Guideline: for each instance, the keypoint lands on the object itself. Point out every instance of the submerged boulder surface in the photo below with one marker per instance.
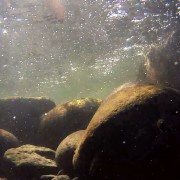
(21, 116)
(65, 151)
(135, 134)
(62, 177)
(28, 162)
(65, 119)
(7, 141)
(161, 65)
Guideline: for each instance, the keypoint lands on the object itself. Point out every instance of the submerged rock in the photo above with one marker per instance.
(54, 177)
(7, 141)
(162, 64)
(65, 119)
(62, 177)
(66, 150)
(21, 116)
(47, 177)
(135, 134)
(28, 162)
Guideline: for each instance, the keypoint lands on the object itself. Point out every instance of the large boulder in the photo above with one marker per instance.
(28, 162)
(65, 119)
(65, 151)
(135, 134)
(21, 116)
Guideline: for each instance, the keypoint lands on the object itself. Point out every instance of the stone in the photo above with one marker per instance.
(29, 161)
(135, 134)
(48, 177)
(65, 119)
(76, 178)
(162, 65)
(65, 151)
(21, 116)
(62, 177)
(7, 141)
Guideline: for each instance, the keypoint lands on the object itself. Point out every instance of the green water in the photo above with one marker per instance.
(97, 48)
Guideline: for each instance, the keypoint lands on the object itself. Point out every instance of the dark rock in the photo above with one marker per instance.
(135, 134)
(62, 177)
(162, 65)
(28, 162)
(48, 177)
(7, 141)
(21, 116)
(66, 150)
(65, 119)
(59, 176)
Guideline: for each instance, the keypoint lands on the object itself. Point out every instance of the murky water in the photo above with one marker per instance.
(80, 51)
(69, 49)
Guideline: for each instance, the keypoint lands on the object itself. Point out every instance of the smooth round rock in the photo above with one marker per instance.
(66, 150)
(65, 119)
(7, 141)
(135, 134)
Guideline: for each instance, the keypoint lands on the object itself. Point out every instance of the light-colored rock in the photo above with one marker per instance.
(135, 134)
(65, 119)
(30, 161)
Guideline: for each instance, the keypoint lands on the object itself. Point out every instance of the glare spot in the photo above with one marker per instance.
(124, 142)
(176, 63)
(5, 65)
(4, 31)
(127, 48)
(18, 19)
(129, 39)
(21, 78)
(73, 69)
(14, 117)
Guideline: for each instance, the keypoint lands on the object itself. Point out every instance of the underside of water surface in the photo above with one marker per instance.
(66, 49)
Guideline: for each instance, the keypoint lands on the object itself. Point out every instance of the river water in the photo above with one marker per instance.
(70, 49)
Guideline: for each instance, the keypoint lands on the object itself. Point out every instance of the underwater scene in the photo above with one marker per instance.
(89, 89)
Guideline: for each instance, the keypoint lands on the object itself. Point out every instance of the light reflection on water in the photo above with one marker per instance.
(90, 53)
